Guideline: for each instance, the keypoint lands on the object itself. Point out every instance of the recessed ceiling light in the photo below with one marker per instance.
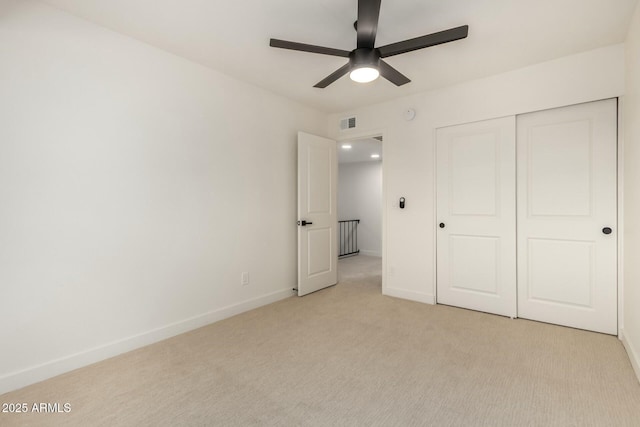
(375, 156)
(346, 147)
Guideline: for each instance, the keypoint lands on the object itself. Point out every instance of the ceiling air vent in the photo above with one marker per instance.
(348, 123)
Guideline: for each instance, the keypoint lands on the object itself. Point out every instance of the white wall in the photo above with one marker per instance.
(360, 197)
(135, 187)
(631, 331)
(409, 263)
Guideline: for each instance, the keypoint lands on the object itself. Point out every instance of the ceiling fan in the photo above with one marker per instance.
(365, 61)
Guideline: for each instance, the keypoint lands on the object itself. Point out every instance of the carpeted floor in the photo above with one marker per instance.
(349, 356)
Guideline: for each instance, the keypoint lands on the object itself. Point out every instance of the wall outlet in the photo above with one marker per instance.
(244, 278)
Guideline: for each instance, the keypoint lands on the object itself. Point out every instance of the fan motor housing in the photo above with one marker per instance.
(364, 57)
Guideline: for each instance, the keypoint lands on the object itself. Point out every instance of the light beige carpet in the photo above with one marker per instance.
(349, 356)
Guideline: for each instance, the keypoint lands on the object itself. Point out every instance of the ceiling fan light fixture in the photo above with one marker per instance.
(365, 61)
(364, 74)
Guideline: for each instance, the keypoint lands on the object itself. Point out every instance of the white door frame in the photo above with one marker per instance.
(620, 207)
(370, 134)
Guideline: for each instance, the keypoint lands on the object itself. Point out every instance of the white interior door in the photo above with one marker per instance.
(317, 213)
(476, 212)
(566, 197)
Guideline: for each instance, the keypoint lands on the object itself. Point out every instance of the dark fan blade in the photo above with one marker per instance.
(368, 14)
(393, 75)
(283, 44)
(333, 76)
(424, 41)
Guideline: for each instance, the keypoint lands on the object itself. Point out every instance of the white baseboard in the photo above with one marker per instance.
(410, 295)
(370, 253)
(34, 374)
(632, 351)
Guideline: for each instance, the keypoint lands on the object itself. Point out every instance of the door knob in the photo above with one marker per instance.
(441, 225)
(606, 230)
(303, 223)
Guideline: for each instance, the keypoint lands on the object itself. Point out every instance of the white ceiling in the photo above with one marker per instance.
(360, 151)
(233, 37)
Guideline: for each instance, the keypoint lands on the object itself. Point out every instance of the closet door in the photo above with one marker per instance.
(476, 213)
(567, 216)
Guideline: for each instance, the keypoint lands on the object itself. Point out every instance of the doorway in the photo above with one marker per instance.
(360, 210)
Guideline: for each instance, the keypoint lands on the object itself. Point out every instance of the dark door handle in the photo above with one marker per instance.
(303, 223)
(441, 225)
(606, 230)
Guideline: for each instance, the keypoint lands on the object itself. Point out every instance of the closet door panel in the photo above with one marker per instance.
(566, 173)
(476, 264)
